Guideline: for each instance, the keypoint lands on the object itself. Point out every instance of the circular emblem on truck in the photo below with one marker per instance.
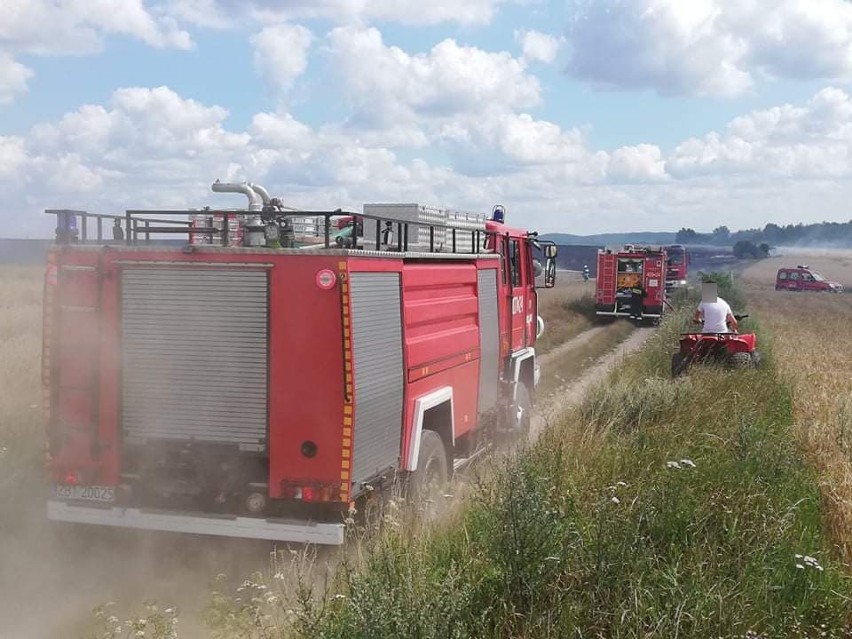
(326, 279)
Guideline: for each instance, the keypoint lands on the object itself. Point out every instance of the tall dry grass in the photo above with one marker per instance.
(813, 347)
(21, 416)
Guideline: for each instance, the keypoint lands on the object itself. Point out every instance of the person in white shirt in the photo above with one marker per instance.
(714, 313)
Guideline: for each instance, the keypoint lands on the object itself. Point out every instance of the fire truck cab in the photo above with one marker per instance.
(256, 391)
(631, 282)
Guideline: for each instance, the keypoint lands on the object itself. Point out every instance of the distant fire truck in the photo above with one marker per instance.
(258, 390)
(677, 267)
(631, 283)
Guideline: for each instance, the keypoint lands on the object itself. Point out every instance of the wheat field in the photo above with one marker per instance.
(812, 335)
(20, 384)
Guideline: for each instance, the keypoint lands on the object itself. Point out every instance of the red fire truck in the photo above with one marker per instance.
(677, 267)
(631, 282)
(258, 392)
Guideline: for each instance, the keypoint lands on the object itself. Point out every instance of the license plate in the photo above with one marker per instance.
(85, 493)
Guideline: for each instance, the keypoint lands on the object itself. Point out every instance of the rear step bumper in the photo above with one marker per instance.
(199, 524)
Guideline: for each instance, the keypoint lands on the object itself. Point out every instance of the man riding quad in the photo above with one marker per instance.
(714, 313)
(719, 341)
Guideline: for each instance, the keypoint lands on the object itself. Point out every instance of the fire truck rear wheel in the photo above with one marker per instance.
(431, 474)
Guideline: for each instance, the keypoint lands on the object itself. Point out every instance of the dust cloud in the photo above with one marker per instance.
(53, 574)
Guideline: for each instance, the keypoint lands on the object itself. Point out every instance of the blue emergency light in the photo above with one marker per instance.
(498, 214)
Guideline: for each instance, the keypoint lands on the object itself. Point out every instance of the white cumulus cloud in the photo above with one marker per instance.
(707, 47)
(13, 78)
(12, 156)
(281, 53)
(77, 26)
(537, 46)
(813, 141)
(641, 163)
(384, 82)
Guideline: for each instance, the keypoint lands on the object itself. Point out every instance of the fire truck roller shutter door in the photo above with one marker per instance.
(489, 340)
(194, 355)
(378, 371)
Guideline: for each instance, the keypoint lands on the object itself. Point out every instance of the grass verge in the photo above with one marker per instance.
(655, 509)
(567, 311)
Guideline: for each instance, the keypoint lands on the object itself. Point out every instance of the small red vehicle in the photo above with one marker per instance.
(804, 278)
(731, 350)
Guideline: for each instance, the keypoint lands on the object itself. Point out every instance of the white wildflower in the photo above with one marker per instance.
(688, 462)
(621, 484)
(615, 500)
(813, 563)
(339, 596)
(673, 464)
(808, 562)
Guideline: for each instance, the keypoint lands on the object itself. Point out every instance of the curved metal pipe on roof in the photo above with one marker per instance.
(255, 201)
(261, 191)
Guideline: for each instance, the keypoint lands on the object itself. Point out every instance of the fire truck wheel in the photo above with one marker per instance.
(431, 474)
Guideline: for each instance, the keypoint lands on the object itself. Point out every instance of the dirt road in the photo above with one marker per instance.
(573, 391)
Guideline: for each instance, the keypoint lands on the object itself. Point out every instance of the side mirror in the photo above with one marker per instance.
(549, 250)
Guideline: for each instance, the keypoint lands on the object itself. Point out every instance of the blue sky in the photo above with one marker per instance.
(580, 116)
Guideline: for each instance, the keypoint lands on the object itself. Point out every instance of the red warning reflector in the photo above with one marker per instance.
(326, 279)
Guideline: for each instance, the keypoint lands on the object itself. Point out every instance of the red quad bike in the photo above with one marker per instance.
(731, 350)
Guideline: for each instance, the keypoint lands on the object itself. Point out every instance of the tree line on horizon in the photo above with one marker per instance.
(838, 234)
